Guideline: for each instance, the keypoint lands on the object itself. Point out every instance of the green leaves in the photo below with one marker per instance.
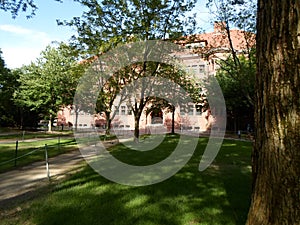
(8, 84)
(236, 13)
(50, 82)
(107, 23)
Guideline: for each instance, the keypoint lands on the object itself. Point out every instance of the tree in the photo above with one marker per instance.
(111, 87)
(234, 52)
(50, 82)
(238, 90)
(8, 83)
(108, 23)
(276, 155)
(12, 114)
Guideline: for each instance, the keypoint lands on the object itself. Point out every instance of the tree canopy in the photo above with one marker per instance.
(49, 83)
(109, 22)
(8, 83)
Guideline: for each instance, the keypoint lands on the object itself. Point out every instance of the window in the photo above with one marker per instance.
(182, 111)
(201, 68)
(129, 111)
(198, 109)
(191, 110)
(117, 110)
(123, 110)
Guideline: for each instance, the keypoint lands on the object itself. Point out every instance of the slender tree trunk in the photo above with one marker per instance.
(108, 126)
(76, 119)
(173, 120)
(276, 154)
(108, 123)
(136, 128)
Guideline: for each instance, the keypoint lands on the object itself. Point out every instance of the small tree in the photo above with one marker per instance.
(238, 90)
(50, 82)
(8, 84)
(234, 52)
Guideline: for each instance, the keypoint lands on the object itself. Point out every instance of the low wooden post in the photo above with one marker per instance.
(47, 162)
(16, 152)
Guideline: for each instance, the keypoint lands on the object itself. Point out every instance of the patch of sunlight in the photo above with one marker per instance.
(217, 192)
(246, 169)
(137, 201)
(190, 219)
(213, 211)
(214, 167)
(232, 154)
(185, 175)
(228, 145)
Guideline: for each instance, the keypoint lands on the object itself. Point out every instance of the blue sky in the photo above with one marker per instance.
(22, 40)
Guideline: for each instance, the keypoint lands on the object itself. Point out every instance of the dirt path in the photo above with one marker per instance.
(24, 180)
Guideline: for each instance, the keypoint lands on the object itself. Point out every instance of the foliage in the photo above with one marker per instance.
(109, 22)
(238, 89)
(235, 13)
(15, 6)
(238, 81)
(11, 115)
(236, 73)
(49, 83)
(9, 112)
(8, 83)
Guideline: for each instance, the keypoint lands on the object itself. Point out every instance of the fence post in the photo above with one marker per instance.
(16, 152)
(47, 163)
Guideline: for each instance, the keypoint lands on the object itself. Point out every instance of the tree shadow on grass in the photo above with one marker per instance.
(215, 196)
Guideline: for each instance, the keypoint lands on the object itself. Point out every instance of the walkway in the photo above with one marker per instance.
(19, 182)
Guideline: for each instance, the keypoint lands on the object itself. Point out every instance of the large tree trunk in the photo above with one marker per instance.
(276, 154)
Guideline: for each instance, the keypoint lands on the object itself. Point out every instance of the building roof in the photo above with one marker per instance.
(218, 41)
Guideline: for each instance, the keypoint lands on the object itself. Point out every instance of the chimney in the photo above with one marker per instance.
(219, 26)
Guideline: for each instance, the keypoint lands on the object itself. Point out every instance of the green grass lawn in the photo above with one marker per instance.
(55, 147)
(20, 135)
(219, 195)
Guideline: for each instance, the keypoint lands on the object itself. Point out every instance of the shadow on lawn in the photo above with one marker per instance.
(219, 195)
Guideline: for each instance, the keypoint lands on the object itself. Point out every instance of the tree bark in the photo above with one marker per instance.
(276, 155)
(136, 128)
(108, 123)
(173, 120)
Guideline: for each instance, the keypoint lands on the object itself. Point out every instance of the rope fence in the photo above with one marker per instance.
(44, 148)
(19, 157)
